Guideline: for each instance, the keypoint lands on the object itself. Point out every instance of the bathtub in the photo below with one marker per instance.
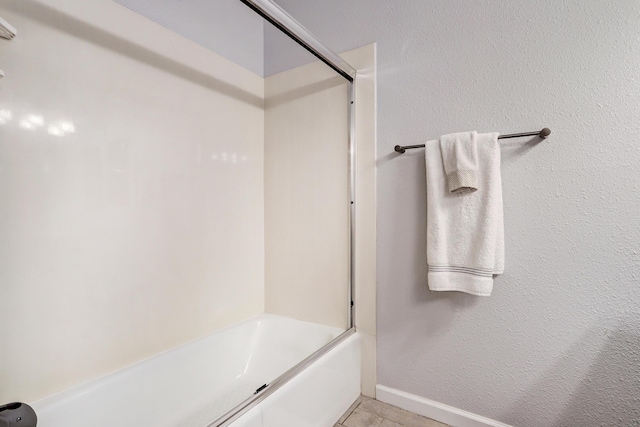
(205, 381)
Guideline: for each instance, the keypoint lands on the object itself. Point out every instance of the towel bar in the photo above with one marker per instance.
(542, 134)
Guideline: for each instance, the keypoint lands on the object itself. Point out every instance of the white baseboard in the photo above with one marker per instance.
(434, 410)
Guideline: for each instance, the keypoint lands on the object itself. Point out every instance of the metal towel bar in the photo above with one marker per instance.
(542, 134)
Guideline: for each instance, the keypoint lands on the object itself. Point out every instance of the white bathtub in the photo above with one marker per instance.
(194, 384)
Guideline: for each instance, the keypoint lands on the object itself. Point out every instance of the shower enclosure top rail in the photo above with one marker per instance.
(285, 23)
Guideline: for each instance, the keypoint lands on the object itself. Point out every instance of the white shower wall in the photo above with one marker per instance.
(131, 193)
(307, 195)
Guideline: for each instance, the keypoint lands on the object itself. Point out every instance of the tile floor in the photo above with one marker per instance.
(367, 412)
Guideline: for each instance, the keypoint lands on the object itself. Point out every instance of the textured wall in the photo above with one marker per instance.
(558, 343)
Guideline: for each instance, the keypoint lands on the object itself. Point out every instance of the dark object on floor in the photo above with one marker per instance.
(17, 414)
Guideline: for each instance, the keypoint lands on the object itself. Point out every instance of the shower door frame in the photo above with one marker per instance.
(279, 18)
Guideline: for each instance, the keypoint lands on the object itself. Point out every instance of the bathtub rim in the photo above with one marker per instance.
(59, 397)
(244, 407)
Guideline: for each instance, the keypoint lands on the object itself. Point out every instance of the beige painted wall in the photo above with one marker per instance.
(306, 195)
(131, 193)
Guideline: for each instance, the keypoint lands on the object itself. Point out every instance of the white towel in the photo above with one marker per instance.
(465, 232)
(460, 159)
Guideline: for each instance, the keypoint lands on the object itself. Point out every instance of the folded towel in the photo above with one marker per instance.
(460, 159)
(465, 232)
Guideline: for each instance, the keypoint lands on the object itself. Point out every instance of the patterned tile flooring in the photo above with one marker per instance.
(367, 412)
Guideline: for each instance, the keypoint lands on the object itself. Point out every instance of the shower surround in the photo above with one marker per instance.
(133, 198)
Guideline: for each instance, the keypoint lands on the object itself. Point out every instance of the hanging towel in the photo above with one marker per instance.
(460, 159)
(465, 232)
